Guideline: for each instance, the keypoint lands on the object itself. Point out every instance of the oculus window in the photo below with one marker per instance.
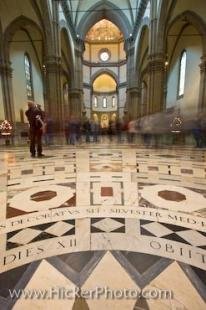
(104, 55)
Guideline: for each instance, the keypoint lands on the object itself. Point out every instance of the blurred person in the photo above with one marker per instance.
(203, 129)
(146, 129)
(66, 131)
(111, 130)
(131, 130)
(95, 130)
(49, 131)
(35, 117)
(197, 132)
(119, 127)
(72, 128)
(87, 130)
(78, 130)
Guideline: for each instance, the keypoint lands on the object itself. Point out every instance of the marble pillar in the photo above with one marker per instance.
(133, 102)
(8, 103)
(76, 91)
(133, 94)
(156, 87)
(75, 99)
(202, 92)
(54, 104)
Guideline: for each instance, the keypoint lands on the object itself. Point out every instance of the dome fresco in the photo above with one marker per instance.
(104, 31)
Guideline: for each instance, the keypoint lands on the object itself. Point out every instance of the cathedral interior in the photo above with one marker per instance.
(103, 154)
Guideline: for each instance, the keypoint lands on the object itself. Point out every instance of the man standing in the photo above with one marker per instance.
(35, 117)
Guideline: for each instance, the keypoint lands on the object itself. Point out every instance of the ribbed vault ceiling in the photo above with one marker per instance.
(80, 8)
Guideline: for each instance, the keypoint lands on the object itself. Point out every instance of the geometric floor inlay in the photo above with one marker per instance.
(119, 216)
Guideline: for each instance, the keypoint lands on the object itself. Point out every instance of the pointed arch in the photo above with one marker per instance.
(104, 10)
(21, 22)
(145, 23)
(189, 17)
(104, 71)
(65, 34)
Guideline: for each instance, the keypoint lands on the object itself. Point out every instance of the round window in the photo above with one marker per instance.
(104, 55)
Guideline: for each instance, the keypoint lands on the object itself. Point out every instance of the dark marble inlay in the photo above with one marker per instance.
(29, 171)
(59, 169)
(201, 274)
(141, 304)
(44, 195)
(80, 304)
(12, 212)
(77, 261)
(9, 279)
(187, 171)
(171, 195)
(153, 168)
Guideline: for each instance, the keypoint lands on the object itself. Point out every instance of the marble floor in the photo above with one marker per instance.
(126, 223)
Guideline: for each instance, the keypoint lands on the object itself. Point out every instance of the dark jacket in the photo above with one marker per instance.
(32, 115)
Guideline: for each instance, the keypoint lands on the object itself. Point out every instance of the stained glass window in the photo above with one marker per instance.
(182, 71)
(113, 102)
(28, 75)
(104, 102)
(95, 102)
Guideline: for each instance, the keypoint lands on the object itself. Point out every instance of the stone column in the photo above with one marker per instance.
(75, 99)
(156, 65)
(202, 91)
(133, 94)
(7, 89)
(76, 91)
(156, 87)
(54, 103)
(133, 100)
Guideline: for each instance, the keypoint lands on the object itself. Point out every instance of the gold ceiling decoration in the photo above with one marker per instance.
(104, 83)
(104, 31)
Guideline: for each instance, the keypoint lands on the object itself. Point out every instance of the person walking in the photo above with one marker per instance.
(35, 118)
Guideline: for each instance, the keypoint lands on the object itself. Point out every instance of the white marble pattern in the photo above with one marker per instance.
(110, 274)
(59, 228)
(25, 236)
(157, 229)
(184, 295)
(47, 279)
(194, 201)
(107, 225)
(193, 237)
(22, 201)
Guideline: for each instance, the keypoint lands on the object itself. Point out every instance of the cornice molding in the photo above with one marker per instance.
(104, 65)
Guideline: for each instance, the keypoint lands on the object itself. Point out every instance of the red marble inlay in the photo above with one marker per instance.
(171, 196)
(42, 196)
(106, 191)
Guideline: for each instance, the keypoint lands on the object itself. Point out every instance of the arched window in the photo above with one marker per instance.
(28, 75)
(113, 102)
(104, 102)
(182, 71)
(66, 93)
(95, 102)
